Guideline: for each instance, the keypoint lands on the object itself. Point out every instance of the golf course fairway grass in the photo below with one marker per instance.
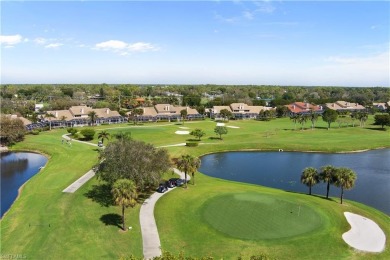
(257, 216)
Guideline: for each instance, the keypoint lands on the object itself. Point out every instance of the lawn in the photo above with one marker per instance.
(85, 225)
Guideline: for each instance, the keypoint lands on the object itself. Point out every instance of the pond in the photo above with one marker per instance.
(282, 170)
(16, 169)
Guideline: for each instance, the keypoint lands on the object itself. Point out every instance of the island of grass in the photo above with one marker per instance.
(85, 224)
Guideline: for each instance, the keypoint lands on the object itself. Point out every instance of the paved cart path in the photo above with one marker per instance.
(150, 237)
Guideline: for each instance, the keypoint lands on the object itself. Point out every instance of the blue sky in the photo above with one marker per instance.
(307, 43)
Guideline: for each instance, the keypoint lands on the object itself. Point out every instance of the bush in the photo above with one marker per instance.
(71, 130)
(35, 132)
(88, 133)
(191, 144)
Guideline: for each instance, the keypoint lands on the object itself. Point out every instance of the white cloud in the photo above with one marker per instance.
(10, 39)
(53, 45)
(40, 40)
(112, 44)
(124, 48)
(142, 47)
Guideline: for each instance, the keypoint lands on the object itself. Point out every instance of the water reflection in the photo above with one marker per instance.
(16, 169)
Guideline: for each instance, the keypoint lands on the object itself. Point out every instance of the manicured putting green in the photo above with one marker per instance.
(257, 216)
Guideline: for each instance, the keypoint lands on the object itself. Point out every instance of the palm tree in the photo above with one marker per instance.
(104, 135)
(63, 119)
(313, 116)
(183, 114)
(92, 116)
(309, 177)
(328, 176)
(345, 179)
(302, 120)
(50, 116)
(195, 166)
(295, 119)
(136, 113)
(188, 164)
(125, 194)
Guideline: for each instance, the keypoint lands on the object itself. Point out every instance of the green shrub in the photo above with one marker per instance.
(191, 144)
(71, 130)
(88, 133)
(35, 132)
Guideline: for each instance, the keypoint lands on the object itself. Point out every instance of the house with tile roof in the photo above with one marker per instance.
(345, 106)
(304, 108)
(166, 112)
(381, 106)
(78, 116)
(239, 111)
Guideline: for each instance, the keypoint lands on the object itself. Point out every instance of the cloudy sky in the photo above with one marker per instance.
(196, 42)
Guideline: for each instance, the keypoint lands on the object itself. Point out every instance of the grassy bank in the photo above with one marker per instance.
(83, 225)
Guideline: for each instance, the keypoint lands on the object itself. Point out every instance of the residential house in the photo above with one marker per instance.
(345, 106)
(381, 106)
(239, 111)
(78, 116)
(166, 112)
(303, 108)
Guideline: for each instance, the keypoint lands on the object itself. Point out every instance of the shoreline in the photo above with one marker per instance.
(293, 151)
(20, 189)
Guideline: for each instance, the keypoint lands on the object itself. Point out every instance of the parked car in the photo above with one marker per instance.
(169, 184)
(162, 188)
(177, 181)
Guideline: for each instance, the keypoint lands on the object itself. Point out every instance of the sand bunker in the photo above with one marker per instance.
(231, 126)
(182, 132)
(220, 124)
(365, 234)
(183, 127)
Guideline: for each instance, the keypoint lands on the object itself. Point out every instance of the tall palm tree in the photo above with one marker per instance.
(183, 114)
(295, 118)
(125, 194)
(104, 135)
(195, 166)
(302, 120)
(188, 164)
(345, 179)
(50, 116)
(92, 116)
(309, 177)
(313, 118)
(328, 176)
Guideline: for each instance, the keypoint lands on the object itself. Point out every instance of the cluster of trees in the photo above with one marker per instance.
(21, 98)
(342, 177)
(12, 130)
(129, 167)
(330, 116)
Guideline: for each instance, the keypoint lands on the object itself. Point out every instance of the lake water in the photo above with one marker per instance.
(283, 170)
(16, 169)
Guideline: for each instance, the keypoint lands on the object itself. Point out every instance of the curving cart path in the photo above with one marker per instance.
(150, 237)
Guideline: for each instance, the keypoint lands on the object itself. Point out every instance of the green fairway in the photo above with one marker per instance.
(84, 226)
(259, 216)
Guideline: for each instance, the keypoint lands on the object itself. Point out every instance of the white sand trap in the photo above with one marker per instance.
(183, 127)
(182, 132)
(365, 234)
(232, 126)
(220, 124)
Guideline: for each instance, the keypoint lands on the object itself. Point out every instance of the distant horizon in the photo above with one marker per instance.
(276, 43)
(200, 84)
